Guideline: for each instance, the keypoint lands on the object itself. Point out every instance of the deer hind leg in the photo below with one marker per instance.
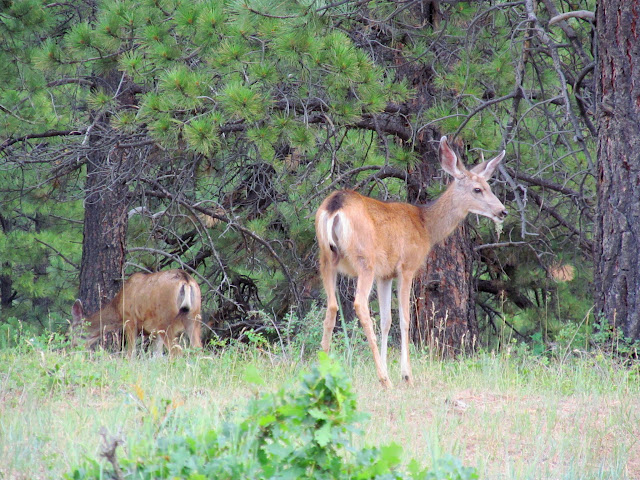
(361, 305)
(171, 339)
(384, 300)
(159, 340)
(192, 325)
(329, 275)
(404, 293)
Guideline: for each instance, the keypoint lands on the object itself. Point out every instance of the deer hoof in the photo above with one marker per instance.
(386, 383)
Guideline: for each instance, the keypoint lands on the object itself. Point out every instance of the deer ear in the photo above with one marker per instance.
(449, 160)
(77, 312)
(486, 169)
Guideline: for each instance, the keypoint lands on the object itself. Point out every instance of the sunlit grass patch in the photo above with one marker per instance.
(510, 416)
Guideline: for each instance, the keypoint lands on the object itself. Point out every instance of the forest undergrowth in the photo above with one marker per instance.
(503, 415)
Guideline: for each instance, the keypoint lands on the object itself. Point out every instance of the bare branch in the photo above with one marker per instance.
(58, 252)
(498, 245)
(585, 244)
(109, 446)
(583, 14)
(497, 287)
(161, 192)
(52, 133)
(9, 112)
(541, 182)
(479, 108)
(67, 81)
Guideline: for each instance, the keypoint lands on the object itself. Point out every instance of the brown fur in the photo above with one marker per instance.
(161, 304)
(373, 240)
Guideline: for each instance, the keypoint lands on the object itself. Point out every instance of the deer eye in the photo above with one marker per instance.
(477, 190)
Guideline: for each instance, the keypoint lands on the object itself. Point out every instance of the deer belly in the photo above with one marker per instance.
(346, 268)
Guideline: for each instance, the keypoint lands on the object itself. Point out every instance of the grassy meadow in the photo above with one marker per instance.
(509, 416)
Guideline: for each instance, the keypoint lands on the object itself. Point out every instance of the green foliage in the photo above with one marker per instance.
(252, 108)
(305, 432)
(220, 85)
(13, 332)
(40, 280)
(598, 336)
(304, 334)
(492, 60)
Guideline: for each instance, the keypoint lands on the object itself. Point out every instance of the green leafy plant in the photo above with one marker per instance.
(304, 432)
(610, 338)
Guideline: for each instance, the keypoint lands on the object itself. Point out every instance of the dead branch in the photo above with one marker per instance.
(583, 14)
(58, 252)
(52, 133)
(161, 192)
(585, 244)
(496, 287)
(109, 446)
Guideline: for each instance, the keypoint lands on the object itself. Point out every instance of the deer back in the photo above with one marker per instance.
(155, 301)
(362, 232)
(147, 302)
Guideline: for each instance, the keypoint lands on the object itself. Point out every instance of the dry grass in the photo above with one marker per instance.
(556, 422)
(511, 418)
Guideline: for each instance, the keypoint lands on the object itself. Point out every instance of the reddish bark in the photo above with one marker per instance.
(617, 245)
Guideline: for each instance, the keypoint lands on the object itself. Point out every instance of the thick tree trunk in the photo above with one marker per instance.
(444, 314)
(6, 282)
(104, 243)
(109, 168)
(6, 291)
(445, 299)
(41, 305)
(617, 230)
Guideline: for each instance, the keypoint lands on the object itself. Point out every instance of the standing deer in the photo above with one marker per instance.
(373, 240)
(162, 304)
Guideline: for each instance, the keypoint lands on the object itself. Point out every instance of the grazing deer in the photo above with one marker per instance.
(373, 240)
(161, 304)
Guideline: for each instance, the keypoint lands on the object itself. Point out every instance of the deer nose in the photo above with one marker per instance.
(503, 213)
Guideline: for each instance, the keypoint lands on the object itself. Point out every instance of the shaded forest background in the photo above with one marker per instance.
(154, 134)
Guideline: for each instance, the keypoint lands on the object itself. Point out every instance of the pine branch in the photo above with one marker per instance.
(9, 112)
(58, 252)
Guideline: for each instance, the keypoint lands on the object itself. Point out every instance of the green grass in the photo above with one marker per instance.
(511, 417)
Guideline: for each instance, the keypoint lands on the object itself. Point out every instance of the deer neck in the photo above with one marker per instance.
(107, 316)
(442, 216)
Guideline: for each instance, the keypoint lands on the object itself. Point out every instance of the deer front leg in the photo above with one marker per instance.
(158, 343)
(404, 293)
(192, 325)
(171, 339)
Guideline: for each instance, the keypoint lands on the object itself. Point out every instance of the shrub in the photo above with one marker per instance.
(290, 434)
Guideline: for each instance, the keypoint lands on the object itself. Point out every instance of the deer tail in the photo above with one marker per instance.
(334, 231)
(185, 298)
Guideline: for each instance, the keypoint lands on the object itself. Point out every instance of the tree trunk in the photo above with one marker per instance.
(104, 243)
(109, 168)
(6, 282)
(617, 230)
(6, 291)
(444, 316)
(41, 304)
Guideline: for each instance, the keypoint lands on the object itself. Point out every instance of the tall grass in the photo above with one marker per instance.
(510, 416)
